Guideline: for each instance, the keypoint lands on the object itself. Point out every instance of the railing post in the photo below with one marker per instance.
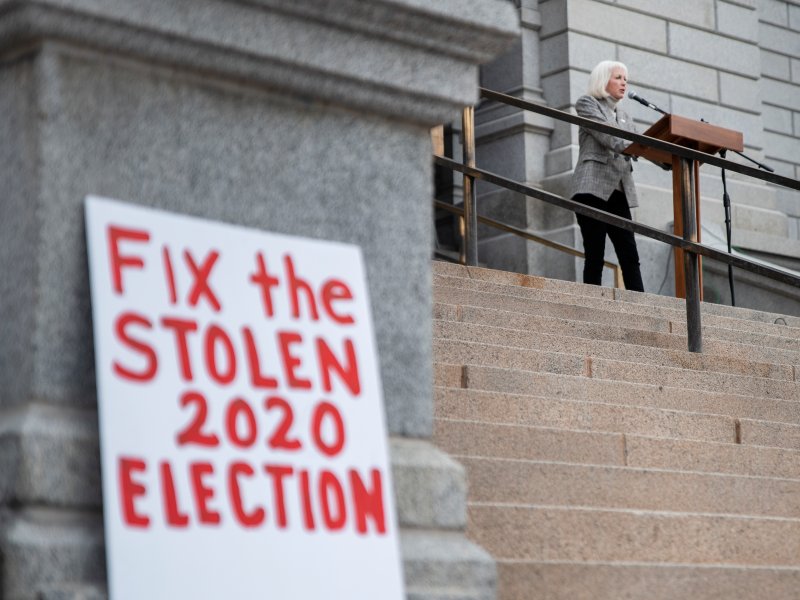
(470, 232)
(462, 255)
(619, 281)
(690, 259)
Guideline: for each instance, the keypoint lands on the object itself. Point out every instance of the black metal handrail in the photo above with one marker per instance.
(687, 156)
(615, 268)
(621, 222)
(645, 140)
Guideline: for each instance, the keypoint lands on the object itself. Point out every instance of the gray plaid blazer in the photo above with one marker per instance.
(601, 166)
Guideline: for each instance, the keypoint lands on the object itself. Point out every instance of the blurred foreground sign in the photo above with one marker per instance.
(243, 440)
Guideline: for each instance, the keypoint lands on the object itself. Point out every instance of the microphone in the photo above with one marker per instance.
(634, 96)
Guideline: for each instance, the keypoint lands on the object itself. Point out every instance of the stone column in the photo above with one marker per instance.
(515, 143)
(296, 116)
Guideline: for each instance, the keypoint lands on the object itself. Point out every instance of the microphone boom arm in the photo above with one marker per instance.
(634, 96)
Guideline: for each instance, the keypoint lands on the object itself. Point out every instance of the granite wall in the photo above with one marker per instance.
(303, 117)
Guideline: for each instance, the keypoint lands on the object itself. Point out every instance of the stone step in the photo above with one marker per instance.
(616, 392)
(527, 442)
(559, 342)
(460, 296)
(520, 279)
(556, 325)
(742, 337)
(710, 457)
(617, 370)
(676, 314)
(502, 440)
(601, 455)
(552, 533)
(525, 482)
(469, 405)
(470, 353)
(554, 580)
(647, 299)
(580, 289)
(610, 333)
(449, 375)
(766, 433)
(453, 295)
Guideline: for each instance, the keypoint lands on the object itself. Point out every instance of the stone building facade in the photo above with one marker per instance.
(735, 63)
(312, 118)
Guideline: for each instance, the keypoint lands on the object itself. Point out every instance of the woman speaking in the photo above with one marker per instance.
(602, 177)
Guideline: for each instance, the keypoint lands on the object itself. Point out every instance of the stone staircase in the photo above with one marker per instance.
(604, 461)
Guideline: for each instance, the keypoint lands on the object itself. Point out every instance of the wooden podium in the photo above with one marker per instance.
(696, 135)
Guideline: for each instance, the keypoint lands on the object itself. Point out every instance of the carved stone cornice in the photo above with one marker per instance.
(314, 49)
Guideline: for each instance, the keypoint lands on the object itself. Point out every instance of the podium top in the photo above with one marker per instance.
(689, 133)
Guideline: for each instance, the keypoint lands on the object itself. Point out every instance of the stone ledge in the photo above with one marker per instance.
(288, 46)
(430, 487)
(50, 456)
(784, 298)
(446, 565)
(755, 241)
(43, 548)
(508, 125)
(73, 592)
(531, 18)
(418, 22)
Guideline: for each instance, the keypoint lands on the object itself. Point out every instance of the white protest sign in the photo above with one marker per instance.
(243, 442)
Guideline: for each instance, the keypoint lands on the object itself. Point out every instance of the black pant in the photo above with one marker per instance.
(594, 241)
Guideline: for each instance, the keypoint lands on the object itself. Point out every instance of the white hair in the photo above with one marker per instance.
(601, 75)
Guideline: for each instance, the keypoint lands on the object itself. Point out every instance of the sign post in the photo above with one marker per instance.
(243, 439)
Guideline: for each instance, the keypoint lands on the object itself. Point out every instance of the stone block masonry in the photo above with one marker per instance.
(779, 39)
(731, 62)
